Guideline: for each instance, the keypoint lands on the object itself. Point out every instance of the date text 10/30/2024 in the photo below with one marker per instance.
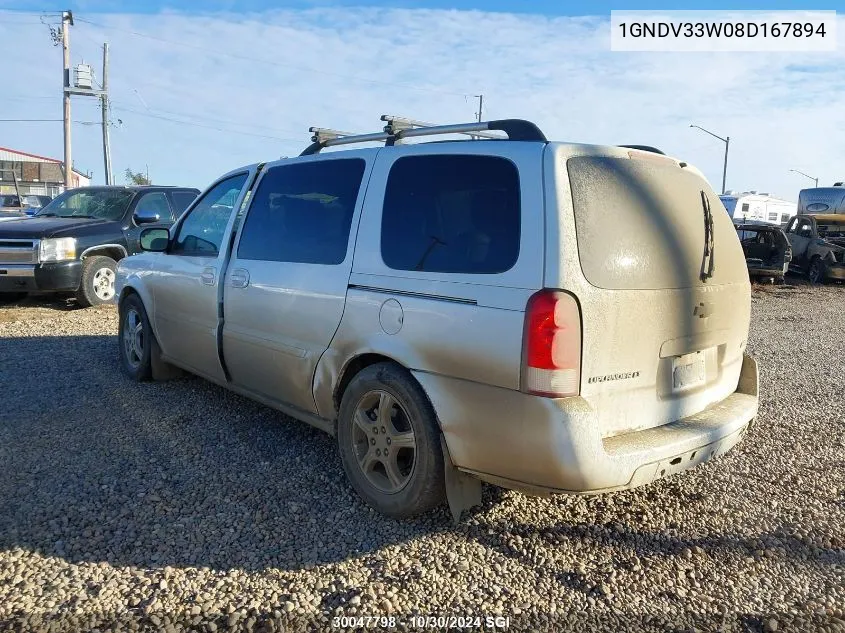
(481, 623)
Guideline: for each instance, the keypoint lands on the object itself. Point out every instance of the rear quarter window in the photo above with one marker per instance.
(451, 214)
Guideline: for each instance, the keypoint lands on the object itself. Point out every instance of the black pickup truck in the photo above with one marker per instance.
(73, 244)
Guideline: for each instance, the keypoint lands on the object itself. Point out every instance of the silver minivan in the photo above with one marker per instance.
(547, 317)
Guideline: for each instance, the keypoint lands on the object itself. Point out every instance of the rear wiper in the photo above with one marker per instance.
(707, 263)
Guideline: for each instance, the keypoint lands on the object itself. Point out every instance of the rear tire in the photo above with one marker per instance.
(135, 338)
(389, 442)
(97, 286)
(817, 271)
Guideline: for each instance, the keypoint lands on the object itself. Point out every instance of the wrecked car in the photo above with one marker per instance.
(818, 246)
(767, 251)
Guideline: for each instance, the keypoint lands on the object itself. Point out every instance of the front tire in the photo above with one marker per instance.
(97, 286)
(389, 442)
(135, 337)
(818, 271)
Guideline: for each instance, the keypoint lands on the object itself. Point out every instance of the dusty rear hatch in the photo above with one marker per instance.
(665, 302)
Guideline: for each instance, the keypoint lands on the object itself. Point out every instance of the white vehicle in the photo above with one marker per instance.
(822, 199)
(751, 206)
(549, 317)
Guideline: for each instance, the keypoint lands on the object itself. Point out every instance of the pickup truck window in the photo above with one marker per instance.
(103, 204)
(201, 233)
(804, 228)
(181, 201)
(155, 203)
(302, 213)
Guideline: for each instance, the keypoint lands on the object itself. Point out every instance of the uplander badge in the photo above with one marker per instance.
(609, 377)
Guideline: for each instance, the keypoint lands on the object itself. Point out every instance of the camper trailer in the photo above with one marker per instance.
(752, 206)
(822, 199)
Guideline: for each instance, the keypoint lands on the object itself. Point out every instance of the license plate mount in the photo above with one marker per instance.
(688, 371)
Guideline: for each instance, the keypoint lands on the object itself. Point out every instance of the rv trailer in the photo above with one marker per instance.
(752, 206)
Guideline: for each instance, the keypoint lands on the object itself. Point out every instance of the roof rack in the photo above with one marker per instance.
(398, 128)
(644, 148)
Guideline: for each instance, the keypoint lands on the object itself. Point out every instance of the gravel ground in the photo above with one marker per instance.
(179, 506)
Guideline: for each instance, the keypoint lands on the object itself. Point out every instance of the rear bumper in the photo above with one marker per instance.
(53, 277)
(541, 445)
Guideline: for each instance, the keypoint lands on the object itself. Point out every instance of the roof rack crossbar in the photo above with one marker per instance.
(398, 128)
(401, 127)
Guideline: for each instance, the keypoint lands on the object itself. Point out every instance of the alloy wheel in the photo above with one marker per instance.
(383, 441)
(133, 338)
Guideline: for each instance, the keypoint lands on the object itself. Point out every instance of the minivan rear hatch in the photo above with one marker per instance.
(662, 283)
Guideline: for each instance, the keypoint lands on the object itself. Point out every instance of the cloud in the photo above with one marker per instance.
(275, 73)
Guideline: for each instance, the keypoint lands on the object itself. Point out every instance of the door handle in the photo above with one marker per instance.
(208, 275)
(239, 278)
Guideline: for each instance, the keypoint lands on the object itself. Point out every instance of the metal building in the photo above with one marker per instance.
(36, 175)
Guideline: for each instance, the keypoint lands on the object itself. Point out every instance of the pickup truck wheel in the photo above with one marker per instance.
(97, 286)
(389, 442)
(818, 271)
(135, 338)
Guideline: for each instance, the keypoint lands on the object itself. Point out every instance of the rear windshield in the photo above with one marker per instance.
(640, 224)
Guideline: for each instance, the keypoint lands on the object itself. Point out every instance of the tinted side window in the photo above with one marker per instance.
(201, 233)
(155, 203)
(302, 212)
(451, 214)
(181, 201)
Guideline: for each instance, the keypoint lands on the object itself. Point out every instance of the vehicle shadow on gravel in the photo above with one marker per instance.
(96, 468)
(41, 305)
(518, 540)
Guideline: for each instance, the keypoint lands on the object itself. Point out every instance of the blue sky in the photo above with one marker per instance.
(199, 88)
(543, 7)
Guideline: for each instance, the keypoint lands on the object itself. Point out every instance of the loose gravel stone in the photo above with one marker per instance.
(180, 506)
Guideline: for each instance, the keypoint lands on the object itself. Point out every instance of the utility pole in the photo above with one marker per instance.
(480, 106)
(67, 22)
(104, 101)
(84, 86)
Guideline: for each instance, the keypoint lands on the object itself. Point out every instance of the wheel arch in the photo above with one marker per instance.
(352, 368)
(130, 288)
(115, 251)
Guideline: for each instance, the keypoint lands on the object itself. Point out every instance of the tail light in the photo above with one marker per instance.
(552, 345)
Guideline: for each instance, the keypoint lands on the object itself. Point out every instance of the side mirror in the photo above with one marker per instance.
(155, 240)
(145, 216)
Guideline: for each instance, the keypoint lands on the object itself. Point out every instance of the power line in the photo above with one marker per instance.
(218, 53)
(208, 127)
(191, 116)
